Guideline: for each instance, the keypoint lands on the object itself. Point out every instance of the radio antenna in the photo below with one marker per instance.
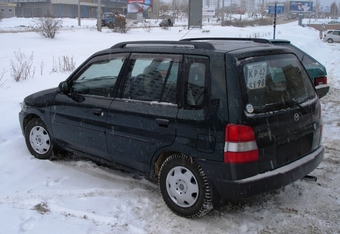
(190, 30)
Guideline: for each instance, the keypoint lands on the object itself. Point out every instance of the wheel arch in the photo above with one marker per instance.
(28, 118)
(158, 161)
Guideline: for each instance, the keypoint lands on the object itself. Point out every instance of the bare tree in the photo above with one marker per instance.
(164, 9)
(47, 26)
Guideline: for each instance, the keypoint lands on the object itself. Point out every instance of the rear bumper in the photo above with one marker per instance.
(261, 183)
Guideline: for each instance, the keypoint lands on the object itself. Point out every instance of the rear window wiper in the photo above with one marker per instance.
(278, 105)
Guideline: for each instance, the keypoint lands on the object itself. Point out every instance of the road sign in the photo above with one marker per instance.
(280, 9)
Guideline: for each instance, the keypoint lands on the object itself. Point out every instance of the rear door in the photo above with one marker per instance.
(143, 119)
(282, 107)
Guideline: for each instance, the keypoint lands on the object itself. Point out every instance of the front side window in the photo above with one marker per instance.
(152, 77)
(99, 76)
(275, 82)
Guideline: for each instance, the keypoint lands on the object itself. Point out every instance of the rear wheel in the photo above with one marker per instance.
(38, 139)
(330, 40)
(184, 186)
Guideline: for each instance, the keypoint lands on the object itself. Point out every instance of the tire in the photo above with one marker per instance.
(184, 187)
(110, 25)
(330, 40)
(38, 139)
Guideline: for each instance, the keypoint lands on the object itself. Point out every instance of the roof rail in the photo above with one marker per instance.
(258, 40)
(178, 44)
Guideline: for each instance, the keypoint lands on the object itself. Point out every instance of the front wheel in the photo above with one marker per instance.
(184, 186)
(38, 139)
(330, 40)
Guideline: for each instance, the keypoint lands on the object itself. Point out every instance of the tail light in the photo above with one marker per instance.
(320, 81)
(240, 144)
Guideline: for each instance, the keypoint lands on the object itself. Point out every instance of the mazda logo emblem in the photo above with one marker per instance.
(296, 117)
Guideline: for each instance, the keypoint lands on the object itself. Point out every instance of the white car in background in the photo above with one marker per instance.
(332, 35)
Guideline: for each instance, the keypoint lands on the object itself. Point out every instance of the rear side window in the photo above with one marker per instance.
(152, 77)
(197, 79)
(275, 82)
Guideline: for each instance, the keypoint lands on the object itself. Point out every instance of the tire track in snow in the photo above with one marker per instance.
(130, 198)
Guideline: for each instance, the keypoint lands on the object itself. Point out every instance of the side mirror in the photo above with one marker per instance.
(322, 90)
(64, 87)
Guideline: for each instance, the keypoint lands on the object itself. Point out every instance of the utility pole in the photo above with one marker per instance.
(99, 17)
(275, 9)
(79, 13)
(173, 9)
(222, 13)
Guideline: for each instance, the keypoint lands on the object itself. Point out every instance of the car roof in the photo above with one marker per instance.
(199, 43)
(237, 43)
(239, 47)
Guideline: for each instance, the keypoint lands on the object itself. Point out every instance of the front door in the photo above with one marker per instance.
(79, 118)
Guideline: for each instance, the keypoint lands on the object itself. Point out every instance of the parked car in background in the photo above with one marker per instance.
(316, 71)
(112, 20)
(332, 35)
(167, 22)
(208, 119)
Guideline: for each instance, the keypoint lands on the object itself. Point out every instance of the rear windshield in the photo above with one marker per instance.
(274, 82)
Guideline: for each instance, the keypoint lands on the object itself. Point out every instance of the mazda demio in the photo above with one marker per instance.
(209, 119)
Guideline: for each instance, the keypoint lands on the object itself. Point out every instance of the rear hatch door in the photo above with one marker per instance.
(282, 107)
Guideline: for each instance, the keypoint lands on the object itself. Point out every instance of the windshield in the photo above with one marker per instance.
(108, 15)
(274, 83)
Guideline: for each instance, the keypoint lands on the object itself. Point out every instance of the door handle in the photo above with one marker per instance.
(162, 122)
(97, 112)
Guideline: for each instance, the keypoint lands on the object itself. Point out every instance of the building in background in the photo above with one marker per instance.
(88, 8)
(236, 6)
(211, 3)
(66, 8)
(7, 10)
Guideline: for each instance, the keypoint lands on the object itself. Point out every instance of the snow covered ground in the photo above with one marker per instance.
(77, 196)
